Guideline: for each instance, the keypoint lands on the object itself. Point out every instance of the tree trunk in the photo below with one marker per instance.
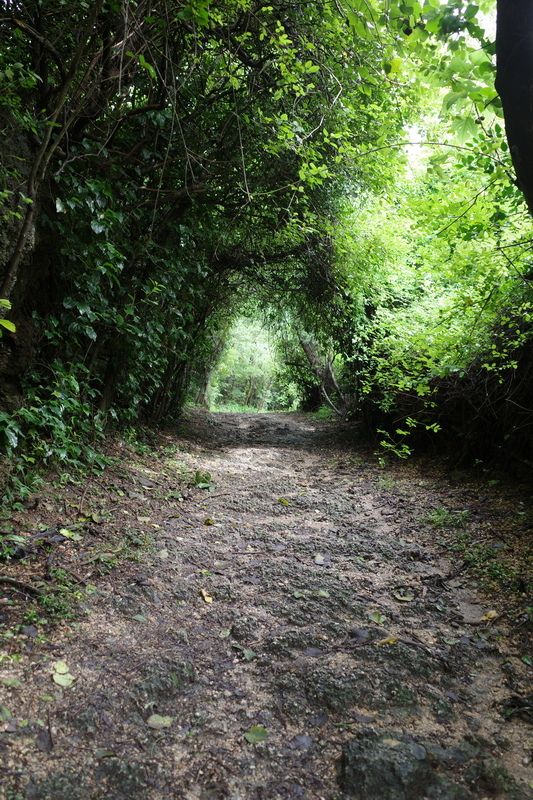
(208, 370)
(514, 84)
(328, 382)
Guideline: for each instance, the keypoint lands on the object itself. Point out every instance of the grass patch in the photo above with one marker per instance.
(441, 518)
(496, 565)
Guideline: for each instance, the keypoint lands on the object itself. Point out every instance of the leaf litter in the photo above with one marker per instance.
(291, 626)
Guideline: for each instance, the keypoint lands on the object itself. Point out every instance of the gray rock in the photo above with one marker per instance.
(383, 767)
(372, 766)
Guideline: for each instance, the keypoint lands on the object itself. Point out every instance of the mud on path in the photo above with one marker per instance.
(288, 626)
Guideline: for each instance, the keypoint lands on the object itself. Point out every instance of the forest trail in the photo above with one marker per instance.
(288, 625)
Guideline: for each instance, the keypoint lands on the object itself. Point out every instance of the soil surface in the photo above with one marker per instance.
(264, 612)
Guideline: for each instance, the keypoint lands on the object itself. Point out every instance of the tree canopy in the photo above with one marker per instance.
(338, 169)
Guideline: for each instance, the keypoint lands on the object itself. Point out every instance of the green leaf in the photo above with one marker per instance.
(256, 734)
(159, 722)
(64, 680)
(249, 655)
(8, 325)
(377, 617)
(465, 128)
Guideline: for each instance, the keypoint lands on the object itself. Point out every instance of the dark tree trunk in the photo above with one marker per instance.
(514, 84)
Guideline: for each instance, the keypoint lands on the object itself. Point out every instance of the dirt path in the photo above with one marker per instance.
(286, 627)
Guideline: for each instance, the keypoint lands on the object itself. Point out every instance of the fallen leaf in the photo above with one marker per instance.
(143, 519)
(158, 722)
(163, 553)
(207, 597)
(64, 680)
(30, 630)
(404, 598)
(388, 640)
(209, 521)
(359, 634)
(283, 501)
(363, 718)
(313, 652)
(319, 559)
(490, 615)
(248, 654)
(104, 754)
(61, 667)
(377, 617)
(70, 534)
(391, 742)
(224, 634)
(256, 734)
(146, 483)
(44, 742)
(298, 595)
(301, 742)
(323, 593)
(139, 618)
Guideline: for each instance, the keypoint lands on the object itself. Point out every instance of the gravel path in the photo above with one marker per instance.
(288, 625)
